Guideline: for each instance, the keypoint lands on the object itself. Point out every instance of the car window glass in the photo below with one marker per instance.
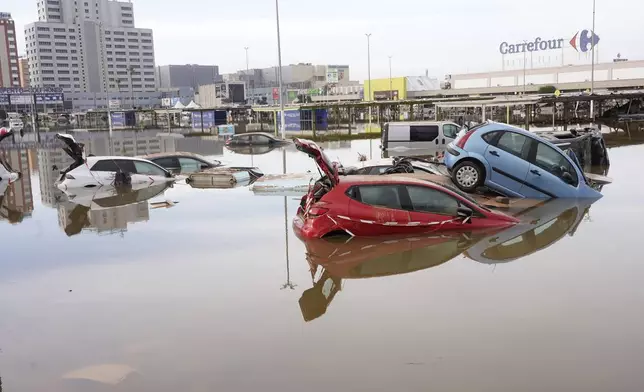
(554, 162)
(490, 136)
(512, 142)
(381, 196)
(189, 165)
(166, 162)
(424, 199)
(423, 133)
(105, 166)
(259, 139)
(148, 169)
(450, 131)
(379, 169)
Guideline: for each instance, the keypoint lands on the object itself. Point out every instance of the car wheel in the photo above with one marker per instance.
(468, 176)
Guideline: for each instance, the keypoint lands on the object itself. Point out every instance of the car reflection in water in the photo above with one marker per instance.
(106, 210)
(252, 150)
(363, 257)
(331, 260)
(541, 226)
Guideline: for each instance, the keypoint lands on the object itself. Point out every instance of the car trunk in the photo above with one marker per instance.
(74, 150)
(329, 170)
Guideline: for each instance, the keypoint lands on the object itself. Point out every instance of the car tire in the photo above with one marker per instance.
(468, 176)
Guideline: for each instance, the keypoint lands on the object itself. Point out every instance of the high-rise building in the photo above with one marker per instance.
(189, 75)
(90, 46)
(23, 69)
(9, 74)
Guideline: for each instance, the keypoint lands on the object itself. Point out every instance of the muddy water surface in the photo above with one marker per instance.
(217, 294)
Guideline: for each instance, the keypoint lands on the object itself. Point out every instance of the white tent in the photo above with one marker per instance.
(193, 105)
(178, 105)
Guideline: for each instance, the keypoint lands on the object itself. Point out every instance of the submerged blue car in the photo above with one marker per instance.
(515, 162)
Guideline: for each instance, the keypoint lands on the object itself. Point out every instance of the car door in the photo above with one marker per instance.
(551, 174)
(507, 154)
(104, 170)
(431, 205)
(260, 140)
(380, 206)
(147, 173)
(424, 138)
(169, 163)
(450, 131)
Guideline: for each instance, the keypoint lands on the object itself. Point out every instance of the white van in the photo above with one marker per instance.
(418, 137)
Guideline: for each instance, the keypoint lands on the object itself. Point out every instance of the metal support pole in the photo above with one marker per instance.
(391, 84)
(369, 74)
(592, 71)
(279, 59)
(248, 76)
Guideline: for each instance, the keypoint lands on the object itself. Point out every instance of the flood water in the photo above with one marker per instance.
(217, 294)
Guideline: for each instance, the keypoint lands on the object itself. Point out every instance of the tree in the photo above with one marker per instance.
(547, 90)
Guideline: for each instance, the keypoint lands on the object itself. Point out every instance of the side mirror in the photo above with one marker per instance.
(465, 214)
(205, 166)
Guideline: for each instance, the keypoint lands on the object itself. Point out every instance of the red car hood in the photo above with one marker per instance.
(317, 153)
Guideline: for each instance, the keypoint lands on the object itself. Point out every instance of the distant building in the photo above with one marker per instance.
(91, 47)
(23, 69)
(189, 75)
(9, 73)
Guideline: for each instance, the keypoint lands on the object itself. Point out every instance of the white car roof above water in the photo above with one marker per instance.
(95, 159)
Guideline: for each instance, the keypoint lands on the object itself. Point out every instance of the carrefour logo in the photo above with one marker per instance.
(583, 41)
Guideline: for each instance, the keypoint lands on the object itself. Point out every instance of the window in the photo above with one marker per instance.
(114, 165)
(168, 163)
(450, 131)
(490, 137)
(423, 133)
(44, 36)
(146, 34)
(189, 165)
(60, 36)
(148, 169)
(380, 195)
(512, 142)
(555, 162)
(133, 40)
(424, 199)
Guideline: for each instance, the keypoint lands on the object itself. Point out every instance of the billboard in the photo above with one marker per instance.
(165, 102)
(118, 119)
(208, 119)
(5, 15)
(291, 120)
(114, 103)
(4, 99)
(21, 99)
(226, 130)
(49, 98)
(582, 41)
(196, 120)
(276, 94)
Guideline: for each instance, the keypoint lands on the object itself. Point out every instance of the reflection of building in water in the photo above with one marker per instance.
(50, 163)
(73, 218)
(117, 218)
(18, 196)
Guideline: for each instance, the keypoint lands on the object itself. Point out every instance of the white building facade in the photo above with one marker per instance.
(90, 46)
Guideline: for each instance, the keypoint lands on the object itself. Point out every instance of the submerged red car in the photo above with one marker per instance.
(382, 205)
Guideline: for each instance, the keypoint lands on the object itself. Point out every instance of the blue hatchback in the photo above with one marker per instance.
(516, 163)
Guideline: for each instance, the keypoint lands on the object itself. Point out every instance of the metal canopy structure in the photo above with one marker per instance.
(494, 102)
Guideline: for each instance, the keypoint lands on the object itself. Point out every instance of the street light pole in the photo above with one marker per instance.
(248, 74)
(391, 84)
(525, 60)
(592, 70)
(279, 59)
(369, 74)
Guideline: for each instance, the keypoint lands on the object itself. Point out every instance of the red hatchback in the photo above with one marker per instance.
(386, 204)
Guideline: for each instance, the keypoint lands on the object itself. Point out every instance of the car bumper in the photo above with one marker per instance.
(317, 227)
(452, 155)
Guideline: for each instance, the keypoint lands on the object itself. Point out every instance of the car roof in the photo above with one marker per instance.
(421, 122)
(391, 178)
(118, 158)
(173, 154)
(256, 134)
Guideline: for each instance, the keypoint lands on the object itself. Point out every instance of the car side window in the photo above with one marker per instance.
(259, 139)
(105, 166)
(555, 163)
(189, 165)
(148, 169)
(490, 137)
(376, 170)
(425, 199)
(512, 142)
(166, 162)
(423, 133)
(450, 131)
(380, 195)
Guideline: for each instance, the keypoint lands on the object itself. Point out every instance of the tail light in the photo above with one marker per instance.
(318, 211)
(460, 143)
(228, 141)
(69, 177)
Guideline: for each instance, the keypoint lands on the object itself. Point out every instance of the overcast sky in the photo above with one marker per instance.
(454, 36)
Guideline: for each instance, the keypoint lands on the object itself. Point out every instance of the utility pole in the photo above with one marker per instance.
(279, 59)
(369, 74)
(131, 72)
(525, 60)
(391, 84)
(248, 75)
(592, 69)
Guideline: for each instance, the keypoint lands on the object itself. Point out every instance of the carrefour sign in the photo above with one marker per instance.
(582, 41)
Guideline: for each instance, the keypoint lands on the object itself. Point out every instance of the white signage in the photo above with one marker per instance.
(115, 103)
